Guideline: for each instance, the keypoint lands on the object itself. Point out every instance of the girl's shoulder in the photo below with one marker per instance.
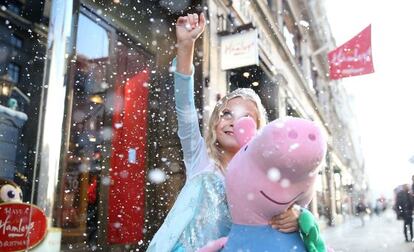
(211, 170)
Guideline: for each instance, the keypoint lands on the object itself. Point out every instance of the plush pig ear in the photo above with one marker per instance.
(244, 130)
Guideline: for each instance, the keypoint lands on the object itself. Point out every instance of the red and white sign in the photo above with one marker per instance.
(352, 58)
(239, 50)
(22, 226)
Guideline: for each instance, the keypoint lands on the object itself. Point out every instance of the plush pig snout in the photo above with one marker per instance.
(299, 147)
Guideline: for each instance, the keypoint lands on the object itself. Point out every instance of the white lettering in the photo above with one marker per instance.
(238, 48)
(15, 231)
(339, 57)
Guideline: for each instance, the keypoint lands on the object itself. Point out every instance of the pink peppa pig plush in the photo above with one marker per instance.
(273, 170)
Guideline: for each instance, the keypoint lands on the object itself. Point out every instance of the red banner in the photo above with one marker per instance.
(352, 58)
(22, 226)
(128, 161)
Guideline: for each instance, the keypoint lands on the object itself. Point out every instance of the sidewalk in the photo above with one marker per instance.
(382, 233)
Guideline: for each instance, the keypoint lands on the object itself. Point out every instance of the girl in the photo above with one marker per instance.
(200, 213)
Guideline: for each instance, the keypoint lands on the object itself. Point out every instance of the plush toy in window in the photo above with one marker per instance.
(10, 192)
(273, 170)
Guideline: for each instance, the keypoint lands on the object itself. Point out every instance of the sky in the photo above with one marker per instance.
(383, 102)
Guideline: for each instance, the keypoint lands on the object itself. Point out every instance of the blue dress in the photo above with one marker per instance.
(245, 238)
(200, 214)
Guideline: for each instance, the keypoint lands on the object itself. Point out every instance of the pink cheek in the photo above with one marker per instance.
(277, 135)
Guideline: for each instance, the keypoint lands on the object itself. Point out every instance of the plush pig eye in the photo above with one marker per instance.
(312, 137)
(9, 193)
(245, 148)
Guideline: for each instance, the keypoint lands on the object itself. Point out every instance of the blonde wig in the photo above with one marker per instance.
(211, 139)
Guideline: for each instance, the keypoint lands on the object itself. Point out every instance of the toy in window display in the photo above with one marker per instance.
(10, 192)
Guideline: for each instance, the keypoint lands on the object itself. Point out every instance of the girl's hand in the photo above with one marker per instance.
(189, 28)
(287, 221)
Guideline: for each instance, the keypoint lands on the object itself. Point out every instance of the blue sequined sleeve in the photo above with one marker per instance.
(199, 215)
(194, 148)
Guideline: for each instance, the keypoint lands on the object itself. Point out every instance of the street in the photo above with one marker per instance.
(380, 233)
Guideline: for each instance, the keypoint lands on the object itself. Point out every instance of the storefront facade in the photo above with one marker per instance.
(88, 128)
(94, 117)
(291, 78)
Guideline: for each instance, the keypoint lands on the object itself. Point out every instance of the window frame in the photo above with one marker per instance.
(13, 72)
(16, 41)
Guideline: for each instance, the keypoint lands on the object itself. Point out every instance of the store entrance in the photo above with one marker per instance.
(103, 177)
(246, 77)
(256, 78)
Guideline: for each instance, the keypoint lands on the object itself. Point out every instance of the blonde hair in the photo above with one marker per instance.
(211, 139)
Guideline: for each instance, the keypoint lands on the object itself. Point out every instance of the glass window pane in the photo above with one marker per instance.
(13, 72)
(16, 41)
(106, 156)
(96, 44)
(21, 79)
(80, 181)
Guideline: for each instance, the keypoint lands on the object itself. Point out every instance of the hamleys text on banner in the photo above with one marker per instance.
(352, 58)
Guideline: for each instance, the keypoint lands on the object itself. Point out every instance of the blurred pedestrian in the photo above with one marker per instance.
(380, 205)
(377, 208)
(361, 211)
(404, 209)
(412, 184)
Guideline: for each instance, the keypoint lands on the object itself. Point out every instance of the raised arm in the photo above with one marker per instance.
(188, 29)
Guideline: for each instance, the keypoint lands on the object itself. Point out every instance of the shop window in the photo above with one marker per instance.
(21, 87)
(13, 72)
(16, 41)
(272, 5)
(14, 8)
(80, 181)
(291, 111)
(106, 156)
(291, 33)
(314, 85)
(338, 190)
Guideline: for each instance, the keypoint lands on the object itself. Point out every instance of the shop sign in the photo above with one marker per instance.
(239, 50)
(352, 58)
(22, 226)
(249, 15)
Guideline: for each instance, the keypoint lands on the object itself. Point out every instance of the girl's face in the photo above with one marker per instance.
(234, 110)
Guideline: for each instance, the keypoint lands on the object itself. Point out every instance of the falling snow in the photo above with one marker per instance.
(156, 176)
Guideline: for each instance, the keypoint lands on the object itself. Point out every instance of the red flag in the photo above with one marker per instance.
(352, 58)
